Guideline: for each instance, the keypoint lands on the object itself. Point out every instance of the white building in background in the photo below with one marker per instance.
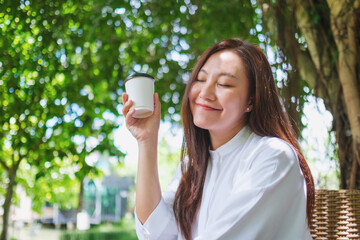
(104, 201)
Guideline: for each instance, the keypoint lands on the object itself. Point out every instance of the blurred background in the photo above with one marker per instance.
(68, 163)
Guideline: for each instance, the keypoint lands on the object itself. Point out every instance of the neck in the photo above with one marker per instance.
(219, 138)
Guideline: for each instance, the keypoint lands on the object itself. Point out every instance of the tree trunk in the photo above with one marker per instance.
(7, 203)
(81, 199)
(343, 17)
(341, 126)
(329, 63)
(81, 196)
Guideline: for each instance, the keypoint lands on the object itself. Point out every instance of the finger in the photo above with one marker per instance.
(129, 119)
(157, 104)
(125, 97)
(126, 107)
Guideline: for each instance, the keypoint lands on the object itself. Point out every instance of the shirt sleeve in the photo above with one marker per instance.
(267, 201)
(161, 224)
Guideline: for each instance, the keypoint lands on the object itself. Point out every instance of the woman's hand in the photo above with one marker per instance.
(143, 129)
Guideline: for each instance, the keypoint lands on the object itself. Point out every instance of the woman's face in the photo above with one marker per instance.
(219, 98)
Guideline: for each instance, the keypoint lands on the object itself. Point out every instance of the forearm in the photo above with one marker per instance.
(148, 192)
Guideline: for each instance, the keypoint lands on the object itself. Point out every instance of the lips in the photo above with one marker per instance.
(207, 107)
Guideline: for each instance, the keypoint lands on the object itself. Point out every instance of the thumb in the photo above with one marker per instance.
(157, 104)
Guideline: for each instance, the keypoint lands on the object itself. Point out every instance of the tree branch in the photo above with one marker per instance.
(352, 31)
(320, 53)
(307, 68)
(4, 165)
(353, 174)
(343, 25)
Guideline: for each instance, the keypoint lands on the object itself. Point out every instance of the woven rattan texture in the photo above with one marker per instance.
(336, 215)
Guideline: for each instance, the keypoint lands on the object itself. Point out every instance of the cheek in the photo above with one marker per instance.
(193, 92)
(192, 98)
(236, 106)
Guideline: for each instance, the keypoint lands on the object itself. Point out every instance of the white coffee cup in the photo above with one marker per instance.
(140, 88)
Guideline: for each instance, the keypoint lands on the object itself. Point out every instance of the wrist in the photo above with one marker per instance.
(150, 141)
(148, 149)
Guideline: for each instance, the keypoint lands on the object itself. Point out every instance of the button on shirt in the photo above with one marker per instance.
(254, 189)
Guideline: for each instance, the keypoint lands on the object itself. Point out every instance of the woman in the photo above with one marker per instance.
(242, 175)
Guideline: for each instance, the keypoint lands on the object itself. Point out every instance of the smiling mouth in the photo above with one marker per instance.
(206, 107)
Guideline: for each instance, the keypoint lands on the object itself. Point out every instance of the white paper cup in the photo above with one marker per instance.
(140, 88)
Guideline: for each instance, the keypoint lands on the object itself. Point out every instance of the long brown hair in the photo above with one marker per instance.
(267, 118)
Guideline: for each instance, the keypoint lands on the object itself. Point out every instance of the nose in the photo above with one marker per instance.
(207, 91)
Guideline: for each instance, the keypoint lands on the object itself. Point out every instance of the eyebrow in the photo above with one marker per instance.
(221, 74)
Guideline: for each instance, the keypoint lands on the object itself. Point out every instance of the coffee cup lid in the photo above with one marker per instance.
(134, 75)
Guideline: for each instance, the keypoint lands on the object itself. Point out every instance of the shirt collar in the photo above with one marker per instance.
(236, 142)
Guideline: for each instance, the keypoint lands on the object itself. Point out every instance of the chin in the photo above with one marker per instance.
(201, 125)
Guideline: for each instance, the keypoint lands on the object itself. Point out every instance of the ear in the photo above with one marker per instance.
(250, 105)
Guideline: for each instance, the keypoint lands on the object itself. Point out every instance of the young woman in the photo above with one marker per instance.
(242, 174)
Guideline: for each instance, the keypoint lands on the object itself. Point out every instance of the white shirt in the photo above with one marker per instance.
(254, 189)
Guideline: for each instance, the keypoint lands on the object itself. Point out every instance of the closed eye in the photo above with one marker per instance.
(224, 85)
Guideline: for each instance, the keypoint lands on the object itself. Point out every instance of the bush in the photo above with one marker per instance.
(125, 229)
(98, 235)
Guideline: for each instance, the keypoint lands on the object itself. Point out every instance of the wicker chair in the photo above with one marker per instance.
(336, 215)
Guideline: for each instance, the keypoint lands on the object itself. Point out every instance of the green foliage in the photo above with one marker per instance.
(58, 96)
(123, 230)
(58, 186)
(95, 235)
